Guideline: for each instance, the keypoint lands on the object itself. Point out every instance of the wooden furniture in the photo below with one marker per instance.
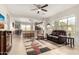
(5, 42)
(28, 34)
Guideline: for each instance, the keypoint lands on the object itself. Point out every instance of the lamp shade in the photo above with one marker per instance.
(69, 29)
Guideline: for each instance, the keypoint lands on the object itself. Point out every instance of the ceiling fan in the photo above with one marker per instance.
(40, 8)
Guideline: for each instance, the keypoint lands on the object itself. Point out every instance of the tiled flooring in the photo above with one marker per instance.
(63, 51)
(19, 49)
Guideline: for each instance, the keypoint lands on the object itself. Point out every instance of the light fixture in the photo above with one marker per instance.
(39, 10)
(69, 30)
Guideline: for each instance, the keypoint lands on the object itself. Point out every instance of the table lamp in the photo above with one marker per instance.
(69, 30)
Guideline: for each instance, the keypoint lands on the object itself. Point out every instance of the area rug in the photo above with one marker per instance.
(43, 46)
(42, 50)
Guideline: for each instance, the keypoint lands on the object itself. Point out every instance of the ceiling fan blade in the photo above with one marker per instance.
(44, 10)
(44, 6)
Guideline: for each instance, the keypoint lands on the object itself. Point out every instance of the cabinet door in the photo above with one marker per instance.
(2, 43)
(8, 41)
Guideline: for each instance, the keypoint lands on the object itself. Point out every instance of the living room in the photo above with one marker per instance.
(39, 29)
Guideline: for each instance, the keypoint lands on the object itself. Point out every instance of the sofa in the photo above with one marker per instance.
(55, 36)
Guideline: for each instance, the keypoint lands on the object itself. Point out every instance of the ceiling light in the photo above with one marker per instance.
(39, 9)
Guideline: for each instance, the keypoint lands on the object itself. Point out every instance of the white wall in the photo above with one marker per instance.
(69, 12)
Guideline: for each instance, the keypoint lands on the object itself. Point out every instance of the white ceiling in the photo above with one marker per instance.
(24, 10)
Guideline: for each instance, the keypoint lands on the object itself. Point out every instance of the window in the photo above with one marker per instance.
(26, 27)
(71, 25)
(23, 27)
(67, 24)
(63, 24)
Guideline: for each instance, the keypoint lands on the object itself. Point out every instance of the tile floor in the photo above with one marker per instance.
(18, 46)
